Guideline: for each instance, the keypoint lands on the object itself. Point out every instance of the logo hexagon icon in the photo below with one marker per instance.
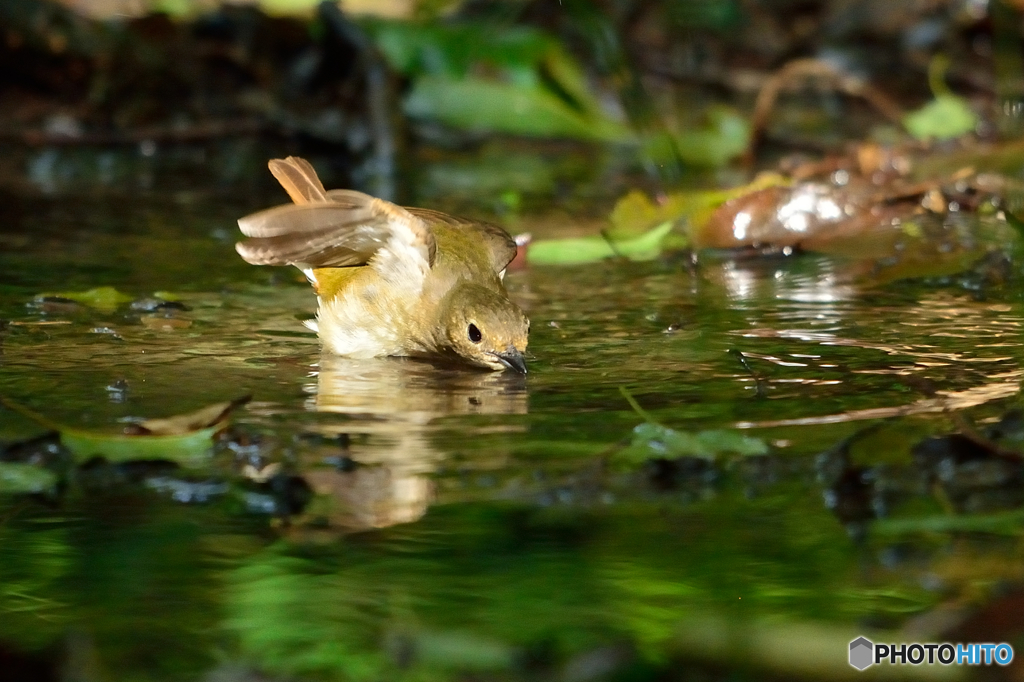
(861, 653)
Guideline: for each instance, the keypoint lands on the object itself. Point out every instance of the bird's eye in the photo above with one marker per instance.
(474, 334)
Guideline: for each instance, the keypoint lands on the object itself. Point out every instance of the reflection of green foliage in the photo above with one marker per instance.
(19, 477)
(139, 593)
(289, 618)
(470, 587)
(34, 567)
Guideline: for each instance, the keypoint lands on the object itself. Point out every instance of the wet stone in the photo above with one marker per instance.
(56, 305)
(187, 492)
(44, 450)
(149, 305)
(99, 474)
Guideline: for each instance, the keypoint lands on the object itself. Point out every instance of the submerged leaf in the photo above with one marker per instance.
(653, 440)
(105, 299)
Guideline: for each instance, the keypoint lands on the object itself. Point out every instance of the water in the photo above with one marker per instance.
(374, 520)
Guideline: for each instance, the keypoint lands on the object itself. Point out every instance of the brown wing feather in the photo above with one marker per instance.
(347, 228)
(318, 249)
(299, 179)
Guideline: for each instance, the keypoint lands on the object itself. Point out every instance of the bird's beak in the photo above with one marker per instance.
(512, 359)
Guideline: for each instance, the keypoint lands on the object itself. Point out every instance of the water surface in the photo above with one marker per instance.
(372, 520)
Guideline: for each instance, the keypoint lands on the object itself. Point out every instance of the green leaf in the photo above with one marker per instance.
(105, 299)
(653, 441)
(493, 106)
(18, 477)
(185, 438)
(424, 49)
(189, 449)
(720, 136)
(633, 215)
(515, 80)
(592, 249)
(945, 117)
(725, 137)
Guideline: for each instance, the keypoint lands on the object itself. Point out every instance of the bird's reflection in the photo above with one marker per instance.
(391, 404)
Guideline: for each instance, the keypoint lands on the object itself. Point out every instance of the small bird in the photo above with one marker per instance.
(392, 280)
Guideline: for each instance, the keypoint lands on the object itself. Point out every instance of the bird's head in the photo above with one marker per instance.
(485, 328)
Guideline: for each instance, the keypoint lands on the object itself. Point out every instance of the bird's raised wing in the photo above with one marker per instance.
(500, 244)
(346, 228)
(299, 179)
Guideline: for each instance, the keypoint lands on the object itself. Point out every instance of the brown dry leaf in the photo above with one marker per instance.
(182, 424)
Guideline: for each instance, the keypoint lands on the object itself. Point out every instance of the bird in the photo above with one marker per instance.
(392, 280)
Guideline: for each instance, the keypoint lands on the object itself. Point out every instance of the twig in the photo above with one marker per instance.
(821, 70)
(644, 414)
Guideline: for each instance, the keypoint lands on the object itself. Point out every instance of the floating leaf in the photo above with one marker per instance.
(642, 230)
(18, 477)
(105, 299)
(179, 425)
(633, 215)
(186, 439)
(591, 249)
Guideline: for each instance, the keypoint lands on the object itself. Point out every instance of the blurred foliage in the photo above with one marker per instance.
(22, 478)
(487, 78)
(723, 136)
(643, 230)
(947, 116)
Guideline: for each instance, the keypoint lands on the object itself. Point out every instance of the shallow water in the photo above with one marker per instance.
(398, 520)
